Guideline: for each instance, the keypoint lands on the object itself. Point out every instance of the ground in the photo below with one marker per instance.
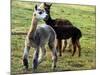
(81, 16)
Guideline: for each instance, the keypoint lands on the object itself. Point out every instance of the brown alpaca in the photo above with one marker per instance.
(57, 23)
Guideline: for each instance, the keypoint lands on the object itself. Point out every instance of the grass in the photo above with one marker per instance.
(82, 17)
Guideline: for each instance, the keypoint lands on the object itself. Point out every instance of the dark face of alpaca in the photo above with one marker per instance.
(48, 20)
(47, 7)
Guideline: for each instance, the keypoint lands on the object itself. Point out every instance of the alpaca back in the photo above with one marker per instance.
(67, 32)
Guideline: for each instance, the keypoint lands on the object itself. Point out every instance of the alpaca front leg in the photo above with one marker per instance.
(52, 46)
(79, 47)
(59, 47)
(42, 54)
(25, 56)
(74, 47)
(35, 58)
(65, 44)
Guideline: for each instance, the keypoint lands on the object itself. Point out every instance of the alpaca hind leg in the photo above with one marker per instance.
(25, 56)
(54, 54)
(35, 58)
(79, 47)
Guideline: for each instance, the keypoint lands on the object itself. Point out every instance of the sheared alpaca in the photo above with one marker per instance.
(37, 37)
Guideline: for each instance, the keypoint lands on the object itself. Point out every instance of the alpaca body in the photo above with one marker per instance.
(67, 32)
(37, 38)
(41, 36)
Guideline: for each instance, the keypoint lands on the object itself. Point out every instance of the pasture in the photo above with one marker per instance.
(82, 17)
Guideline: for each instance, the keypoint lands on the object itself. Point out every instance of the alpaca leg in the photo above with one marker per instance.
(25, 56)
(54, 55)
(35, 58)
(54, 58)
(65, 44)
(74, 47)
(59, 47)
(42, 54)
(70, 45)
(79, 47)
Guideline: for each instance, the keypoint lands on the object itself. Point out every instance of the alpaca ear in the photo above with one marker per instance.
(35, 7)
(48, 4)
(45, 3)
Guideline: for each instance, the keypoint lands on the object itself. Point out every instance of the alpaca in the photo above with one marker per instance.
(57, 22)
(37, 38)
(64, 30)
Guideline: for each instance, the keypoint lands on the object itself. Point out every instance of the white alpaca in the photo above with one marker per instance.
(37, 37)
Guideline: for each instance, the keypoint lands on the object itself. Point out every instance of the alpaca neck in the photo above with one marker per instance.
(49, 21)
(33, 26)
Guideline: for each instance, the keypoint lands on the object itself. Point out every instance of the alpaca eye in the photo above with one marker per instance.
(40, 12)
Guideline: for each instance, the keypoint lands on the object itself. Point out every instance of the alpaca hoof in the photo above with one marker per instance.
(25, 70)
(72, 54)
(26, 67)
(60, 54)
(34, 67)
(25, 63)
(34, 71)
(53, 69)
(63, 50)
(69, 50)
(79, 55)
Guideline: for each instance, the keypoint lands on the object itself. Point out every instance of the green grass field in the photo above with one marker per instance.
(82, 17)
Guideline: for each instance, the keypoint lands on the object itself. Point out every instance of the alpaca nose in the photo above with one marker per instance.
(46, 17)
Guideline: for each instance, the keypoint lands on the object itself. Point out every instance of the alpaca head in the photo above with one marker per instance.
(39, 12)
(47, 7)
